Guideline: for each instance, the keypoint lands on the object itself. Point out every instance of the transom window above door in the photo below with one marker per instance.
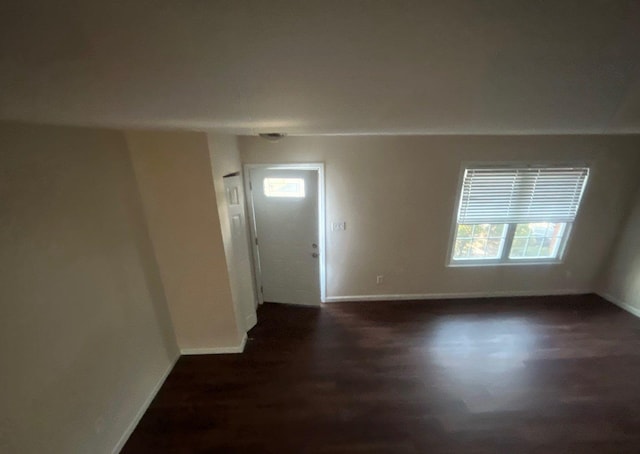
(284, 187)
(516, 215)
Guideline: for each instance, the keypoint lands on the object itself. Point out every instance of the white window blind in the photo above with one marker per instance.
(517, 195)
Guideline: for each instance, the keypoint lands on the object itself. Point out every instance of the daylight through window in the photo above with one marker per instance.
(516, 215)
(284, 187)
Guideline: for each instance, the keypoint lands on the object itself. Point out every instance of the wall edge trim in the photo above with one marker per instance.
(216, 350)
(434, 296)
(144, 407)
(618, 302)
(251, 320)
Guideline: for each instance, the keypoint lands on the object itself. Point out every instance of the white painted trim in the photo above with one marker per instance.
(143, 408)
(621, 304)
(322, 232)
(434, 296)
(216, 350)
(251, 320)
(248, 197)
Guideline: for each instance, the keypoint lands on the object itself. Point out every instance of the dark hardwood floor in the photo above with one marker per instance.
(509, 375)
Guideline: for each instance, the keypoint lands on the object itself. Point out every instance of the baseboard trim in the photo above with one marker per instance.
(621, 304)
(216, 350)
(434, 296)
(143, 408)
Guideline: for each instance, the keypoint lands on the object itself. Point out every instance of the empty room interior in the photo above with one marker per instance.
(261, 226)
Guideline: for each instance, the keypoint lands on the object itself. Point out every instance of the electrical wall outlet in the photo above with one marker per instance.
(379, 279)
(336, 226)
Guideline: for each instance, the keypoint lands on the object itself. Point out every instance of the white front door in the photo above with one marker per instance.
(285, 204)
(240, 263)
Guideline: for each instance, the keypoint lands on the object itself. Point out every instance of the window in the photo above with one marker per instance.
(516, 215)
(284, 187)
(537, 240)
(479, 241)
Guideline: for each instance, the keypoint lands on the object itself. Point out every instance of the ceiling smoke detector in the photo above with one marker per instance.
(272, 136)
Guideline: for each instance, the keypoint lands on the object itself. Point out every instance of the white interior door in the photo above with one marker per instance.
(240, 264)
(285, 206)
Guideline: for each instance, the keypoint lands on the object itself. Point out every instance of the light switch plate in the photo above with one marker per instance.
(335, 226)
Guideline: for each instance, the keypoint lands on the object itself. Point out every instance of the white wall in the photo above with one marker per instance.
(85, 335)
(225, 160)
(397, 195)
(620, 279)
(173, 171)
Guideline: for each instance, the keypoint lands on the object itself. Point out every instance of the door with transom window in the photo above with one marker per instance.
(285, 206)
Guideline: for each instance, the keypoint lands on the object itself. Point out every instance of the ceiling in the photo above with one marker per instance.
(325, 67)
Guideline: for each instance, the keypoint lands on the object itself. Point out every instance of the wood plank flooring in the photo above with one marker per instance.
(508, 375)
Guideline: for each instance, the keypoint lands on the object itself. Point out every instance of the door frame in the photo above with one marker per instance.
(317, 166)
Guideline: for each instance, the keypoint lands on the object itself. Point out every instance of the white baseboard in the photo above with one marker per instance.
(434, 296)
(621, 304)
(143, 408)
(216, 350)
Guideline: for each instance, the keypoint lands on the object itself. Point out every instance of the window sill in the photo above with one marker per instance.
(476, 263)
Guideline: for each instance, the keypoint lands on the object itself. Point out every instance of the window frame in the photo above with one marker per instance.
(503, 243)
(566, 231)
(504, 260)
